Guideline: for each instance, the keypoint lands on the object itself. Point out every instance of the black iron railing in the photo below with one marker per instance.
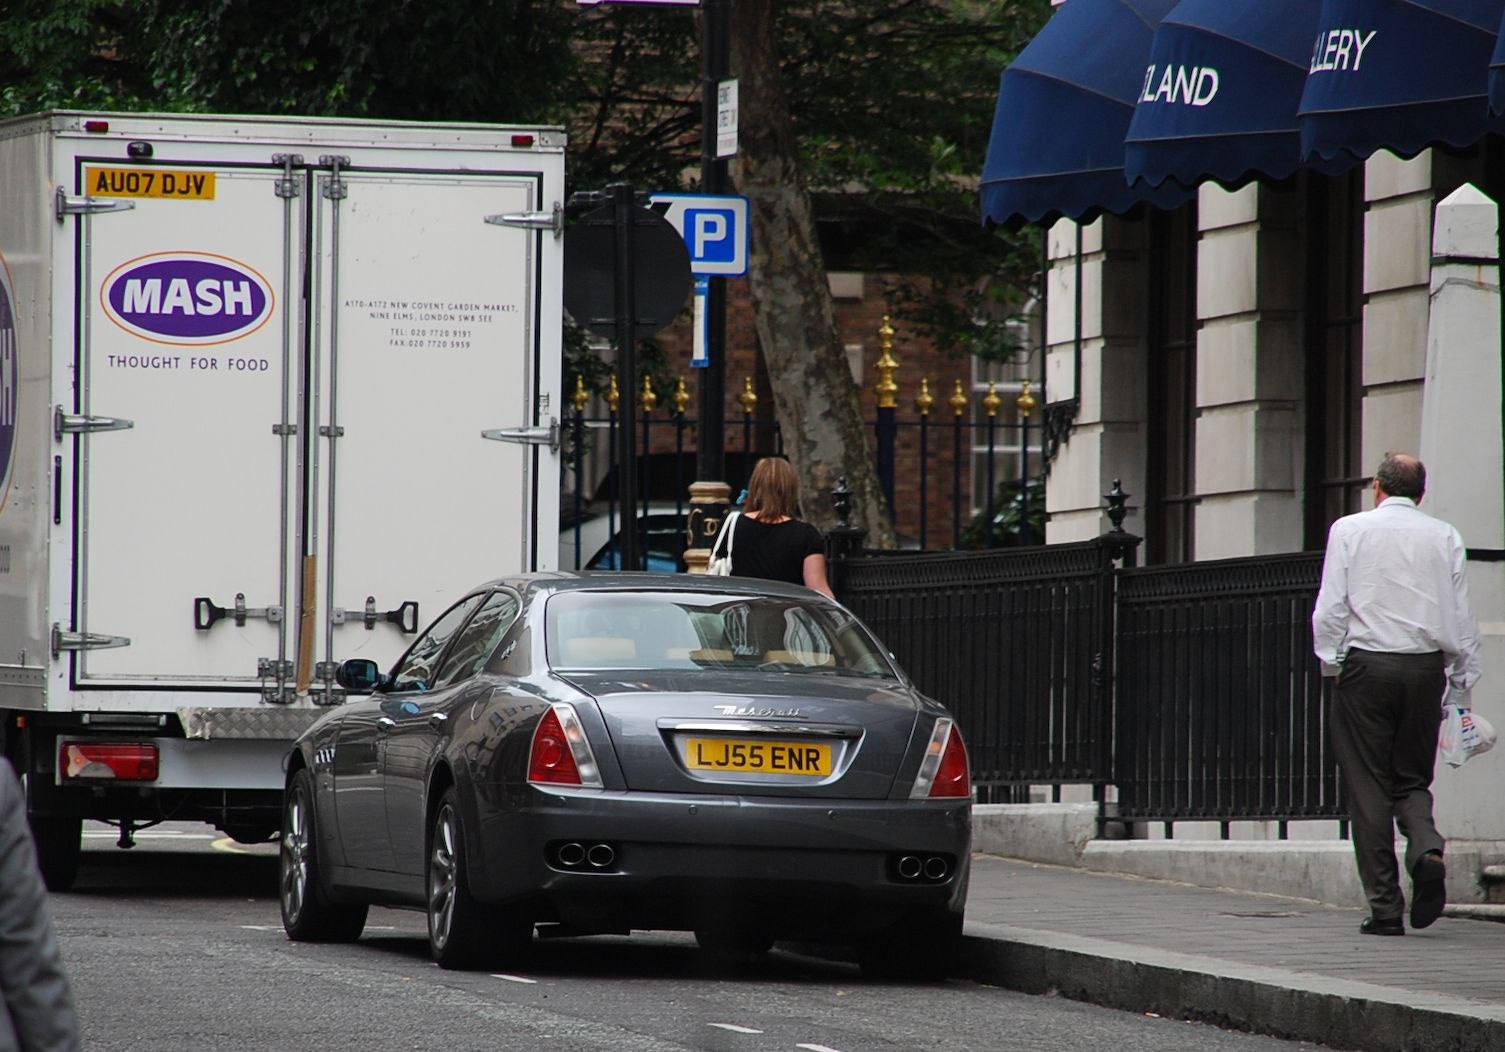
(1011, 641)
(1190, 689)
(934, 454)
(1219, 699)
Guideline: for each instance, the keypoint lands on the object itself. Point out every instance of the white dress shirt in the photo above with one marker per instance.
(1395, 581)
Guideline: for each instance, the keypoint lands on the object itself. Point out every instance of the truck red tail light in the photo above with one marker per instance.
(561, 755)
(106, 761)
(944, 770)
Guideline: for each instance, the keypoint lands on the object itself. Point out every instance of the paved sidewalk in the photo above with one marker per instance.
(1289, 967)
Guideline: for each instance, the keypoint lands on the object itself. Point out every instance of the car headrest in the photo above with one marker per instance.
(597, 651)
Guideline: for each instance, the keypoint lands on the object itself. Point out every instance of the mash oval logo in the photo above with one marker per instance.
(191, 298)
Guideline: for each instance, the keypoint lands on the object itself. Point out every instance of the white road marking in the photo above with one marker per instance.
(819, 1048)
(516, 979)
(734, 1028)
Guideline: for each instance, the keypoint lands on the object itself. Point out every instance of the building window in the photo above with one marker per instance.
(1170, 479)
(1335, 479)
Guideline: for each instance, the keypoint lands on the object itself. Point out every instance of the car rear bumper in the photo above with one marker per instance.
(797, 867)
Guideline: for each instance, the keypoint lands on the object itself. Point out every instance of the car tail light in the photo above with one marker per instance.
(561, 755)
(126, 761)
(943, 771)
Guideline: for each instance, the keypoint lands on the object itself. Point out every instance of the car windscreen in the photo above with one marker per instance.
(692, 630)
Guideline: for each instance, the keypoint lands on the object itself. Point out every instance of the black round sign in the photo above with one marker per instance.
(660, 266)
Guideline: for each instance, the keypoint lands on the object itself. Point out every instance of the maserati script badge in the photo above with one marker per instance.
(753, 710)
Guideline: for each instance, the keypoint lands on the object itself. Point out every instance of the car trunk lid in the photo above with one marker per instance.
(796, 735)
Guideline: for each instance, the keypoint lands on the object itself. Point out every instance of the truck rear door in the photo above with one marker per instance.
(426, 333)
(186, 333)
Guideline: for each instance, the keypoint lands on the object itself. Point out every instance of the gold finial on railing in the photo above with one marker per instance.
(991, 402)
(582, 397)
(924, 400)
(649, 399)
(1026, 401)
(681, 397)
(888, 390)
(958, 400)
(613, 396)
(748, 397)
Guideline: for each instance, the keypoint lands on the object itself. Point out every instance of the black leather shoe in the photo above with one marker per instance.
(1375, 926)
(1428, 889)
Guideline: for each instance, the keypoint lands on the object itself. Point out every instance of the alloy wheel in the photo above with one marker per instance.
(294, 862)
(443, 874)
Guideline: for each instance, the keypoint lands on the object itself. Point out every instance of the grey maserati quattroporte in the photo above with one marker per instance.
(596, 753)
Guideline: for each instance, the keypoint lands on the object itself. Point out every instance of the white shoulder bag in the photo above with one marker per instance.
(721, 565)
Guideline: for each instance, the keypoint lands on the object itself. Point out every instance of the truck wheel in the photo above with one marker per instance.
(59, 841)
(464, 932)
(308, 913)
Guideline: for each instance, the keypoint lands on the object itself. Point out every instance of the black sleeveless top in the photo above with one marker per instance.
(774, 552)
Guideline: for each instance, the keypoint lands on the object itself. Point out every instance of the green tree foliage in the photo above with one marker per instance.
(481, 60)
(67, 56)
(892, 102)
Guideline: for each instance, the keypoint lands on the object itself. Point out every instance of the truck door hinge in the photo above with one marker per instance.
(274, 674)
(529, 436)
(287, 186)
(552, 221)
(68, 424)
(205, 613)
(333, 185)
(62, 641)
(405, 617)
(87, 206)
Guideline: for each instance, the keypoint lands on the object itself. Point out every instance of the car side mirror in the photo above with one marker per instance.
(358, 675)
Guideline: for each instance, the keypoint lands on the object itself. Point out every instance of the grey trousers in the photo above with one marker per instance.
(1386, 713)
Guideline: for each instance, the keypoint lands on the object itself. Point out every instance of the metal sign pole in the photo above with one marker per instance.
(625, 204)
(715, 49)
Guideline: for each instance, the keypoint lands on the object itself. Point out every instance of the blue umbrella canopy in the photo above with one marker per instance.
(1064, 106)
(1220, 95)
(1400, 75)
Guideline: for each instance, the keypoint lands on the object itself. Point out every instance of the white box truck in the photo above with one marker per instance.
(246, 365)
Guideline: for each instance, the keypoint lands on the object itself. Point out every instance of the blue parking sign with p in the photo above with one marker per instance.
(714, 227)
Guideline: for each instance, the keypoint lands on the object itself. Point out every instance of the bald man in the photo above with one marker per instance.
(1394, 627)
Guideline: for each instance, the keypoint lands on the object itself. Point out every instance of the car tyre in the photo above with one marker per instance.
(463, 931)
(922, 952)
(309, 914)
(733, 946)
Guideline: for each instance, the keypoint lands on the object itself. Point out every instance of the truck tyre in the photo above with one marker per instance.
(59, 841)
(308, 912)
(464, 932)
(58, 836)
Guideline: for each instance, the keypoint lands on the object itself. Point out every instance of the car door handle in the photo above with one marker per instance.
(438, 719)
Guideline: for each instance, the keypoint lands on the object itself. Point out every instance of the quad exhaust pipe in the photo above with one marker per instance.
(932, 868)
(574, 855)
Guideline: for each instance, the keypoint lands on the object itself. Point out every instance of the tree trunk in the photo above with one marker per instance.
(817, 402)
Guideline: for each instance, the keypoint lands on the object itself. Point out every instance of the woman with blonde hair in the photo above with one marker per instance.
(769, 540)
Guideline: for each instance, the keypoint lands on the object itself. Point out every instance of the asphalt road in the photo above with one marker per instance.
(177, 945)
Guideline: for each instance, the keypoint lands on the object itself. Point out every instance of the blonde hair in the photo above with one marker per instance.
(774, 489)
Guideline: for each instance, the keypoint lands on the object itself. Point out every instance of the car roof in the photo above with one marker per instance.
(606, 580)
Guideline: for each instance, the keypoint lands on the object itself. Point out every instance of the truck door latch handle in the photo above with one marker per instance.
(206, 613)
